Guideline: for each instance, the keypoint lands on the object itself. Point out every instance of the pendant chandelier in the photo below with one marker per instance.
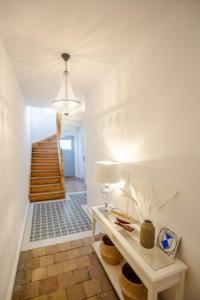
(66, 103)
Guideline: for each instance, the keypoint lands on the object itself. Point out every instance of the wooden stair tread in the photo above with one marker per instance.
(35, 181)
(52, 147)
(47, 193)
(54, 152)
(46, 141)
(46, 158)
(45, 167)
(45, 185)
(44, 170)
(43, 164)
(48, 150)
(45, 146)
(45, 174)
(46, 188)
(52, 155)
(46, 163)
(46, 177)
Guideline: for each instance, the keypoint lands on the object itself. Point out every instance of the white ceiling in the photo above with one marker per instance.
(96, 34)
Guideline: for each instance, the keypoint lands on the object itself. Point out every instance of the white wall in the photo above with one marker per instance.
(81, 152)
(43, 123)
(147, 113)
(14, 172)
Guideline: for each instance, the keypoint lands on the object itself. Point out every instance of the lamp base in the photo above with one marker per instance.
(106, 195)
(105, 206)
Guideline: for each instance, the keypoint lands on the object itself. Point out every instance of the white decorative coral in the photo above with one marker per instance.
(144, 199)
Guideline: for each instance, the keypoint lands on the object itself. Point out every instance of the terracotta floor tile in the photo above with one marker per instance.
(52, 249)
(65, 246)
(105, 283)
(75, 292)
(55, 269)
(20, 264)
(69, 265)
(60, 256)
(30, 290)
(85, 250)
(28, 276)
(95, 270)
(58, 295)
(17, 288)
(87, 241)
(94, 259)
(22, 277)
(26, 255)
(46, 260)
(74, 253)
(39, 273)
(32, 264)
(77, 243)
(43, 297)
(16, 296)
(92, 287)
(48, 285)
(109, 295)
(65, 280)
(39, 252)
(83, 261)
(81, 275)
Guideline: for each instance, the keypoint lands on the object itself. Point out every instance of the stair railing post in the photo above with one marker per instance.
(60, 152)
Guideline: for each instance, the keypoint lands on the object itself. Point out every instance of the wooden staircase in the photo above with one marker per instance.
(47, 178)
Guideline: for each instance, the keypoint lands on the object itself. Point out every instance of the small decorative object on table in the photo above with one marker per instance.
(122, 216)
(147, 234)
(168, 241)
(123, 220)
(125, 226)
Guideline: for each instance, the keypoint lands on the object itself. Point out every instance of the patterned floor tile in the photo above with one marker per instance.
(59, 218)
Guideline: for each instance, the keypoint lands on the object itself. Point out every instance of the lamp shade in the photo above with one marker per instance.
(107, 172)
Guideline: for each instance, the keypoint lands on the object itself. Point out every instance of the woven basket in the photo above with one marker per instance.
(109, 253)
(132, 290)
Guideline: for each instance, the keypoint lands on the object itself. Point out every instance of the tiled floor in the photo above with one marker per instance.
(53, 222)
(59, 218)
(73, 184)
(67, 271)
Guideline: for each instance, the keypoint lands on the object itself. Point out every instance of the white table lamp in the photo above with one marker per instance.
(107, 172)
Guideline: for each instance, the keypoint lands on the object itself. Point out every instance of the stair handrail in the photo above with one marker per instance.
(60, 152)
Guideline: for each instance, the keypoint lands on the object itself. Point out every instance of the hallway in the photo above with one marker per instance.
(86, 85)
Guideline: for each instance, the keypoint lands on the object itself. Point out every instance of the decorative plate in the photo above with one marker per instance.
(168, 241)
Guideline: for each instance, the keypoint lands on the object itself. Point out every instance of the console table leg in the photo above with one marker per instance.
(152, 294)
(179, 293)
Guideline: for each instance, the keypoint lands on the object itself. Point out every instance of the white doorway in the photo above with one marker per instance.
(73, 146)
(67, 144)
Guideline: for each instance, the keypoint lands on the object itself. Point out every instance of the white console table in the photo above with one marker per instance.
(157, 271)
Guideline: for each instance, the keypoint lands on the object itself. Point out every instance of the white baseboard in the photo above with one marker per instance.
(12, 279)
(88, 211)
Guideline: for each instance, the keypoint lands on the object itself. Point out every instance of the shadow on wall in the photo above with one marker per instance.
(167, 176)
